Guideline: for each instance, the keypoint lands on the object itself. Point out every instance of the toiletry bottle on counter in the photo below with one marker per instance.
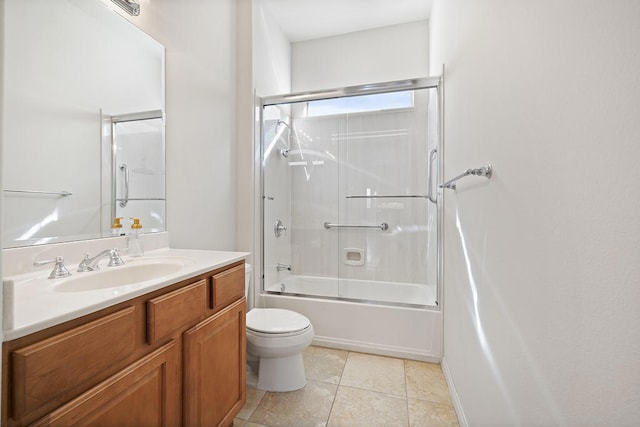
(116, 227)
(134, 242)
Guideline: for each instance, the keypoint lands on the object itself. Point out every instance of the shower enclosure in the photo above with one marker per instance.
(138, 169)
(350, 209)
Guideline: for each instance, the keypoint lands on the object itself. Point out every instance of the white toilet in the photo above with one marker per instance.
(275, 341)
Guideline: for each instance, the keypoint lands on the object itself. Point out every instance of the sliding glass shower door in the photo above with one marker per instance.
(349, 192)
(138, 162)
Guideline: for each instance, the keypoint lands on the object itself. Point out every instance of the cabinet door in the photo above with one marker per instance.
(214, 368)
(143, 394)
(49, 373)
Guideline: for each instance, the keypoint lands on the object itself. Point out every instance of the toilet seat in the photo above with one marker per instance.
(276, 321)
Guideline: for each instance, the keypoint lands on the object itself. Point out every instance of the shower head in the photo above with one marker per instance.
(282, 122)
(285, 151)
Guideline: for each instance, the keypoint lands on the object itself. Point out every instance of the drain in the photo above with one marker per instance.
(282, 287)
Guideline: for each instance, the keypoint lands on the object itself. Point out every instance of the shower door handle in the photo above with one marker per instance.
(125, 198)
(433, 154)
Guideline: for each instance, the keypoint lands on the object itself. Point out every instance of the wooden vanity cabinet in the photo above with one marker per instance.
(169, 358)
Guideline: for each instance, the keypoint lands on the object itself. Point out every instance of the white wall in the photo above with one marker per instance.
(384, 54)
(271, 76)
(266, 69)
(200, 41)
(245, 100)
(271, 53)
(542, 325)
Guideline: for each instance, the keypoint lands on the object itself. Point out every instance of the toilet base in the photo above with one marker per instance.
(281, 373)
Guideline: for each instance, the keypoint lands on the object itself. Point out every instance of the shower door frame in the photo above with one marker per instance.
(433, 82)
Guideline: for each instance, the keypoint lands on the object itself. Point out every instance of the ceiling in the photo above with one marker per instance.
(311, 19)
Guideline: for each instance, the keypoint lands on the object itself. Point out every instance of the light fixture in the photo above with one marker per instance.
(129, 6)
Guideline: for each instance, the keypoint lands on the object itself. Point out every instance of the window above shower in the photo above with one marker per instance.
(360, 104)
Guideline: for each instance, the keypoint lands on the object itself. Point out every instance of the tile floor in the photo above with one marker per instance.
(355, 389)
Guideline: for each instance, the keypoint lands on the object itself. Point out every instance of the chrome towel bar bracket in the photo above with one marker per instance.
(485, 171)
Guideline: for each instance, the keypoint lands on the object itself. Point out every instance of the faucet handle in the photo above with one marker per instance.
(59, 270)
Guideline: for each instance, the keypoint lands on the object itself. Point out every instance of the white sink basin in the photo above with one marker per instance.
(111, 277)
(32, 302)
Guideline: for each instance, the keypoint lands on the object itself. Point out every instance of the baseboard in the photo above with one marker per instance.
(455, 399)
(365, 347)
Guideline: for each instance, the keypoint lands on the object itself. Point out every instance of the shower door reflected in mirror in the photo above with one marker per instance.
(139, 170)
(349, 177)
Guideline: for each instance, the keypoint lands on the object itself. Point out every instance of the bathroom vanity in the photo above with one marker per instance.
(168, 353)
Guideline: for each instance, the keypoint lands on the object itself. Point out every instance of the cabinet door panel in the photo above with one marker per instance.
(58, 368)
(143, 394)
(214, 368)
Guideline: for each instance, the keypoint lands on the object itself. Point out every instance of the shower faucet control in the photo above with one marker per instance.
(279, 229)
(282, 267)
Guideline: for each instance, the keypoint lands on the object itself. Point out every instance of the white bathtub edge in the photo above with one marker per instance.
(455, 398)
(371, 348)
(396, 331)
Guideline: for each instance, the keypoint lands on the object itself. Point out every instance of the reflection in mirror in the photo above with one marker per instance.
(138, 169)
(71, 67)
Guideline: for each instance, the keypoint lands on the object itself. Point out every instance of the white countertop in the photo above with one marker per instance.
(31, 302)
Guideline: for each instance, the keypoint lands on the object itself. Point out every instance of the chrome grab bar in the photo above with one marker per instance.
(383, 227)
(133, 199)
(432, 155)
(125, 200)
(485, 171)
(56, 193)
(395, 196)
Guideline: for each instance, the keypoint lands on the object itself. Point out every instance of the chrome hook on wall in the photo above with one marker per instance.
(485, 171)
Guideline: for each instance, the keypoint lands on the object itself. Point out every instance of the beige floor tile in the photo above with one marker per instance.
(375, 373)
(423, 413)
(324, 364)
(309, 406)
(355, 407)
(254, 396)
(425, 381)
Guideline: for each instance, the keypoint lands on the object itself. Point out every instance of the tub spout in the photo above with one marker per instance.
(281, 267)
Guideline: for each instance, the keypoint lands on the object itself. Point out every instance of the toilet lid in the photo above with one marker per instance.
(276, 321)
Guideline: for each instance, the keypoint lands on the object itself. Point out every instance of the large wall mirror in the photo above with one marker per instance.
(82, 125)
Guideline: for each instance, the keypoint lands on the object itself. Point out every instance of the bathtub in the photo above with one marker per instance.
(385, 318)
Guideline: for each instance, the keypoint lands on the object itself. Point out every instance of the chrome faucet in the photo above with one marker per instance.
(91, 264)
(281, 267)
(59, 270)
